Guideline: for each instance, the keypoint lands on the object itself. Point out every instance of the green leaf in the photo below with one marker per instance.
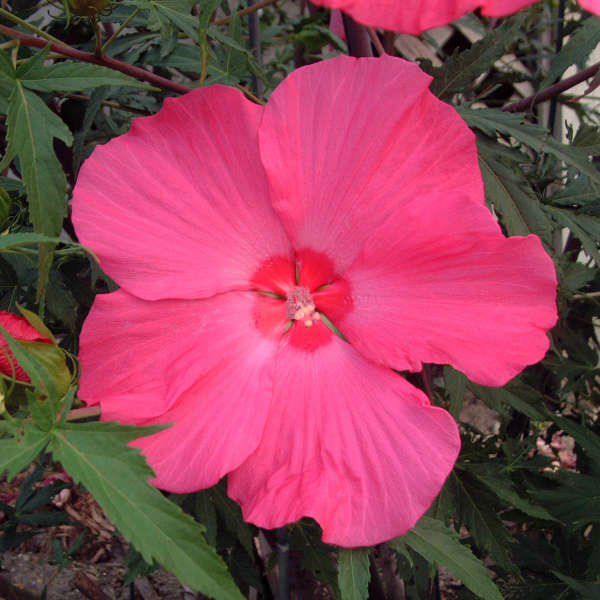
(32, 127)
(496, 398)
(232, 515)
(18, 452)
(92, 108)
(575, 52)
(53, 360)
(178, 12)
(97, 455)
(7, 69)
(587, 589)
(491, 121)
(501, 485)
(579, 228)
(315, 556)
(70, 76)
(474, 507)
(456, 383)
(12, 240)
(206, 11)
(441, 545)
(206, 513)
(510, 195)
(576, 501)
(461, 69)
(37, 323)
(229, 42)
(353, 573)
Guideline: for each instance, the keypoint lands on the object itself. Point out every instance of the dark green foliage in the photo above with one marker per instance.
(31, 511)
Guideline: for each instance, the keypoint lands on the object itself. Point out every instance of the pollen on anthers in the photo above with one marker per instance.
(300, 306)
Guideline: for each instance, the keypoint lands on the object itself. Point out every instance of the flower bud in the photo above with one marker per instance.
(87, 8)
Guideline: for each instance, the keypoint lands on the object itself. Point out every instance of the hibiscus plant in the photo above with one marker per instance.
(305, 295)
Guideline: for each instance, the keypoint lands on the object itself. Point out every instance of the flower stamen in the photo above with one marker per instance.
(300, 306)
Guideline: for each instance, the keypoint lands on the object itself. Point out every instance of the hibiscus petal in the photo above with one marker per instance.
(430, 287)
(591, 5)
(168, 207)
(416, 16)
(204, 365)
(348, 443)
(347, 141)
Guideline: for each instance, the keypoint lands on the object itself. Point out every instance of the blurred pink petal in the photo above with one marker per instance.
(416, 16)
(202, 187)
(364, 453)
(591, 5)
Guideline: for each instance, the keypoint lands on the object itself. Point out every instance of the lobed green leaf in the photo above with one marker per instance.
(97, 455)
(441, 545)
(353, 573)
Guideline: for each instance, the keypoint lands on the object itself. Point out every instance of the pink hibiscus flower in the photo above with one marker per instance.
(416, 16)
(20, 329)
(236, 231)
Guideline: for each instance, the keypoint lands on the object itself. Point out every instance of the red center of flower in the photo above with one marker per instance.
(300, 306)
(296, 297)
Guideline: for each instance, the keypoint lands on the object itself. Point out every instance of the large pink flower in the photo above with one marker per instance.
(234, 230)
(416, 16)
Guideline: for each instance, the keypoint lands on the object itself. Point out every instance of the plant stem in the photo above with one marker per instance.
(105, 61)
(254, 34)
(376, 41)
(114, 36)
(246, 11)
(83, 413)
(557, 49)
(283, 549)
(8, 15)
(110, 104)
(357, 37)
(97, 35)
(553, 90)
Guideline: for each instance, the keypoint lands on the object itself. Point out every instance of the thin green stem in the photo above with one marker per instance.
(114, 36)
(8, 15)
(97, 35)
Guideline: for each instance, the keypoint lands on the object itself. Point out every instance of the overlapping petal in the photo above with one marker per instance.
(204, 365)
(348, 443)
(179, 207)
(445, 286)
(347, 142)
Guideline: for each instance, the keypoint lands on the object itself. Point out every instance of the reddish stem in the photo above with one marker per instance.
(105, 61)
(553, 90)
(357, 38)
(376, 41)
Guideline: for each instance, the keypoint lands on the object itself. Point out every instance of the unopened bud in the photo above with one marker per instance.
(88, 8)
